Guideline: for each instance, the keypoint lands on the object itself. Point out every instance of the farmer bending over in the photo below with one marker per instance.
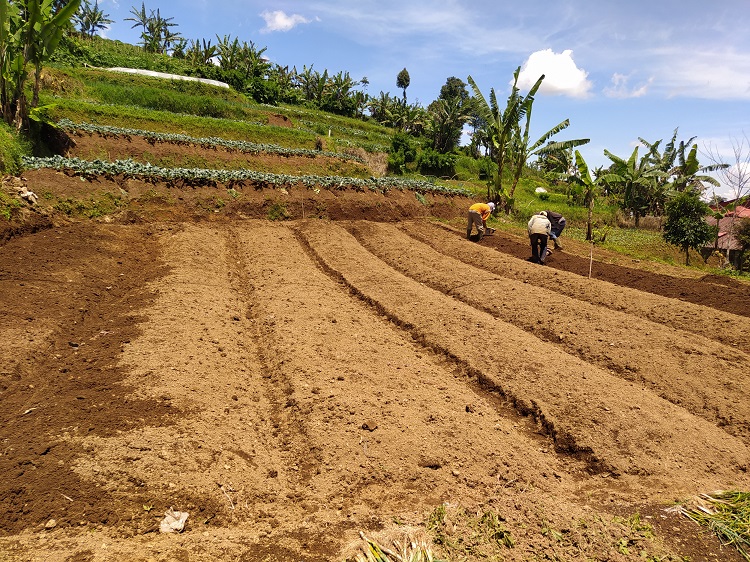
(478, 215)
(558, 224)
(539, 229)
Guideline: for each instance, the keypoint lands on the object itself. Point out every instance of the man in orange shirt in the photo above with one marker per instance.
(478, 215)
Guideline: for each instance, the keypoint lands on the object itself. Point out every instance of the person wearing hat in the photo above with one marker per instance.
(478, 215)
(539, 230)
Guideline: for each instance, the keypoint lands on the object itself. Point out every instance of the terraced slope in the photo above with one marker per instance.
(291, 384)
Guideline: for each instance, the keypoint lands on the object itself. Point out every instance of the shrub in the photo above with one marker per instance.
(430, 162)
(278, 212)
(402, 152)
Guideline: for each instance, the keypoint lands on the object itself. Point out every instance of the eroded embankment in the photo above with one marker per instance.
(670, 362)
(614, 423)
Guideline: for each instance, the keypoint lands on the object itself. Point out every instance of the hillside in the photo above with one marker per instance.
(293, 363)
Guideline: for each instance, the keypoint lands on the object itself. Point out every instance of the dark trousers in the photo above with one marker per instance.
(538, 247)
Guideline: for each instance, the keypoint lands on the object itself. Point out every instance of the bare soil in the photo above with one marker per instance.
(357, 366)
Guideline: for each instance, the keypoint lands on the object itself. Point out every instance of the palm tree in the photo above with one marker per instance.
(446, 118)
(382, 108)
(91, 19)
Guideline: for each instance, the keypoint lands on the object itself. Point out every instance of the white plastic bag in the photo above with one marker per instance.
(174, 521)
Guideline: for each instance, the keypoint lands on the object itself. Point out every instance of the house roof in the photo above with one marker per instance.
(727, 241)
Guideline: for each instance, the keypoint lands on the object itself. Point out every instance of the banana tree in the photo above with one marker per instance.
(690, 174)
(522, 150)
(592, 187)
(29, 33)
(680, 166)
(636, 180)
(502, 128)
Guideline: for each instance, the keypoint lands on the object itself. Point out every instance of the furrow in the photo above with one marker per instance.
(616, 423)
(726, 328)
(373, 406)
(633, 348)
(194, 353)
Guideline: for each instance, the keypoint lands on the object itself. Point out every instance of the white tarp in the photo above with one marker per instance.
(169, 76)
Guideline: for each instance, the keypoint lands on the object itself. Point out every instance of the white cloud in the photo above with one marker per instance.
(620, 87)
(709, 74)
(561, 75)
(280, 21)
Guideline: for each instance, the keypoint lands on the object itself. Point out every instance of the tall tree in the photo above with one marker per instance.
(402, 81)
(90, 19)
(634, 181)
(140, 18)
(501, 128)
(30, 31)
(159, 37)
(446, 119)
(686, 226)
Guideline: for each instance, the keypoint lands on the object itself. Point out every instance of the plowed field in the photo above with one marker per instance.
(292, 383)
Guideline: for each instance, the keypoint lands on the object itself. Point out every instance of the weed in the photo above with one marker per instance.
(8, 205)
(483, 534)
(92, 208)
(278, 212)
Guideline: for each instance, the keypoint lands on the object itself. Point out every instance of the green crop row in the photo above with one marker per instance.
(204, 142)
(202, 176)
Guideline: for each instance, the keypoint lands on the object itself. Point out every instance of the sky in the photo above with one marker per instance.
(619, 71)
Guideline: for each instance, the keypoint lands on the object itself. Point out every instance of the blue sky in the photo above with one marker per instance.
(617, 70)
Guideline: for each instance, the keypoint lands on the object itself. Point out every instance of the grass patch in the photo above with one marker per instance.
(727, 515)
(8, 205)
(127, 100)
(12, 148)
(278, 212)
(134, 117)
(92, 208)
